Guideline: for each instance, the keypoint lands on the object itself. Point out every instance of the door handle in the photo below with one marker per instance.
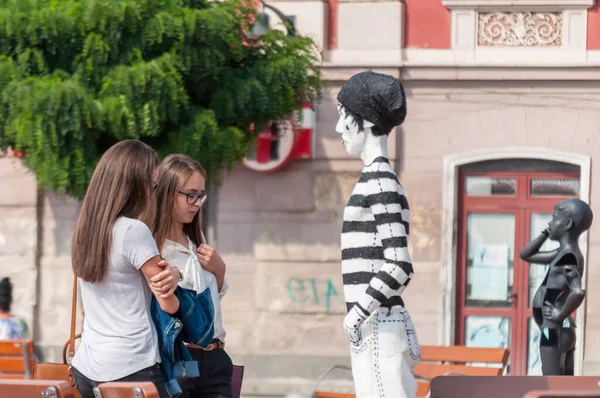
(512, 297)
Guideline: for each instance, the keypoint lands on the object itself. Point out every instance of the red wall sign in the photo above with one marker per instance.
(283, 141)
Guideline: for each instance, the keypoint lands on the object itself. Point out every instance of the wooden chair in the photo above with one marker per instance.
(142, 389)
(36, 389)
(510, 386)
(448, 360)
(563, 394)
(455, 360)
(16, 359)
(324, 394)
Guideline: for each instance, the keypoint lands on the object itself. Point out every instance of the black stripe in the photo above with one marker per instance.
(398, 241)
(359, 226)
(388, 218)
(367, 253)
(384, 218)
(388, 198)
(364, 311)
(374, 175)
(406, 267)
(357, 278)
(388, 280)
(376, 294)
(391, 302)
(381, 159)
(358, 201)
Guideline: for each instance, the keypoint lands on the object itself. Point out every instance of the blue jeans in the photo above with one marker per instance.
(86, 386)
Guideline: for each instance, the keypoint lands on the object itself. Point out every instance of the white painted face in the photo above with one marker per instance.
(353, 137)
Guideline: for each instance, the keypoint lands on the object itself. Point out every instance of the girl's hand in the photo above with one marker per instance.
(211, 260)
(165, 283)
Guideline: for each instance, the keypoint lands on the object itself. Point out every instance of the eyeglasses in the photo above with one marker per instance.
(192, 198)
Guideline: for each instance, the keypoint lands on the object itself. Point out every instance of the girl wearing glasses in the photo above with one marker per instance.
(178, 232)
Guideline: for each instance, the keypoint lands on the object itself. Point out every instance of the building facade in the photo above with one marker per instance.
(503, 100)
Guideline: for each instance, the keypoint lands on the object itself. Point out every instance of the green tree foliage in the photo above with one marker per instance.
(77, 76)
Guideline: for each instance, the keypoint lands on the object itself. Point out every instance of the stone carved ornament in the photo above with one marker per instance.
(520, 29)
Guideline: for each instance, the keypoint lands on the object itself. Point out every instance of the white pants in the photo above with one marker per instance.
(384, 361)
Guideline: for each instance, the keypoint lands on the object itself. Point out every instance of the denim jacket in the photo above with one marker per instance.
(193, 323)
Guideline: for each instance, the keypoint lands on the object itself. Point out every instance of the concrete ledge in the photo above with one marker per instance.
(278, 375)
(591, 368)
(470, 73)
(370, 57)
(519, 4)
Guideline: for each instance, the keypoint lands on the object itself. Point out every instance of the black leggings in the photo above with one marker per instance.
(216, 369)
(86, 386)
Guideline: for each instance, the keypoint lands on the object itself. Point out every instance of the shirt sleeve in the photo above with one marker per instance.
(390, 209)
(138, 244)
(224, 289)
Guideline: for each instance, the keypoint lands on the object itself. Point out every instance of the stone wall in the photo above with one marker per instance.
(19, 257)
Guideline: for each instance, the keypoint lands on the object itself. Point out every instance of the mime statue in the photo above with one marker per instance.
(562, 290)
(376, 265)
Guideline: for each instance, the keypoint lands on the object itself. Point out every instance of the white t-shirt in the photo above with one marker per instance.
(197, 278)
(119, 337)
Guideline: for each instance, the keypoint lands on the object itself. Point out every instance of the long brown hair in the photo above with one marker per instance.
(120, 186)
(173, 172)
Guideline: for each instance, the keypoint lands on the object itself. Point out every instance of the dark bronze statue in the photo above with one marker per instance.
(562, 290)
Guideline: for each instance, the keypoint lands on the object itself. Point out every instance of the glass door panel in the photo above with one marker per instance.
(490, 258)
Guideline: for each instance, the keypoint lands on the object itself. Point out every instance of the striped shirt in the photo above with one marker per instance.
(376, 265)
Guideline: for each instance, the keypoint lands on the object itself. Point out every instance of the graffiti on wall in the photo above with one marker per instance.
(314, 291)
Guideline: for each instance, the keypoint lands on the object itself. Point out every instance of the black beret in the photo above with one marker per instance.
(375, 97)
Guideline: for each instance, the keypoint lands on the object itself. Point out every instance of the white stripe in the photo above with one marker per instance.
(362, 188)
(397, 254)
(361, 265)
(353, 213)
(358, 239)
(391, 230)
(378, 284)
(354, 292)
(391, 209)
(398, 273)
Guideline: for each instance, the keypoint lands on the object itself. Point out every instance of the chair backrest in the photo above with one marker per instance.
(562, 394)
(443, 360)
(508, 386)
(16, 359)
(36, 389)
(142, 389)
(325, 394)
(236, 381)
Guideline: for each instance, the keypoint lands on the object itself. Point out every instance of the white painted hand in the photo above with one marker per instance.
(352, 323)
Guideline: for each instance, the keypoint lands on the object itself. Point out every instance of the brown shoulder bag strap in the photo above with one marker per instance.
(71, 343)
(73, 316)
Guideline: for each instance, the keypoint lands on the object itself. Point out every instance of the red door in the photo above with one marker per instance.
(499, 213)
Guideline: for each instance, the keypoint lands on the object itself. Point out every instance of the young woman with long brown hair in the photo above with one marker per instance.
(178, 232)
(116, 259)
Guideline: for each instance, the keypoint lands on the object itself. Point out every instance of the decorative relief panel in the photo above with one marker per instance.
(520, 29)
